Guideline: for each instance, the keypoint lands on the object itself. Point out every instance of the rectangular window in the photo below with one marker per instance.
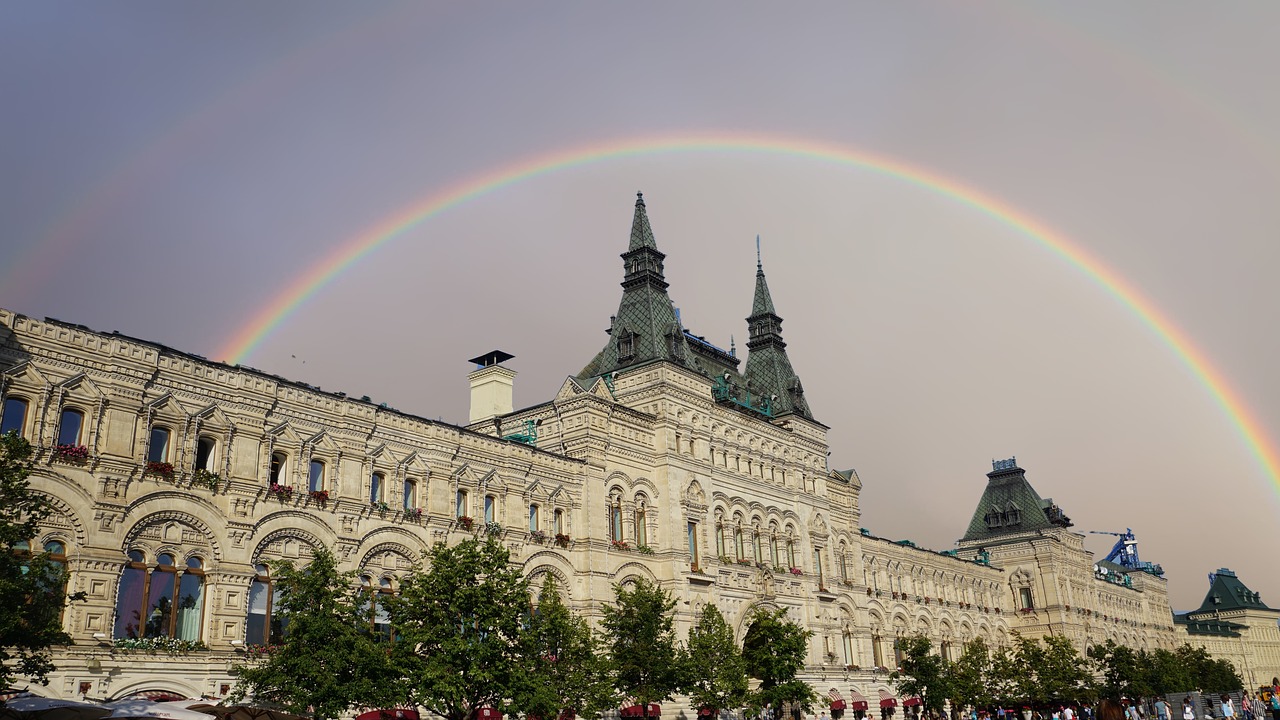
(693, 545)
(69, 427)
(410, 494)
(375, 488)
(817, 565)
(315, 482)
(488, 508)
(158, 449)
(557, 522)
(277, 467)
(720, 541)
(533, 518)
(1024, 597)
(877, 651)
(848, 649)
(204, 452)
(15, 416)
(460, 504)
(642, 528)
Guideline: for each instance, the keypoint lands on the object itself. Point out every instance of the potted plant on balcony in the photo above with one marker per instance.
(537, 536)
(493, 529)
(562, 539)
(71, 453)
(379, 505)
(280, 492)
(321, 497)
(413, 513)
(796, 571)
(206, 479)
(644, 549)
(620, 544)
(159, 469)
(465, 522)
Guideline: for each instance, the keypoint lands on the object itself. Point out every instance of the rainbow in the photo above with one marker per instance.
(306, 285)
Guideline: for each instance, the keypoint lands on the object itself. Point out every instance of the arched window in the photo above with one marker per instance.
(489, 508)
(533, 517)
(737, 542)
(410, 494)
(773, 549)
(204, 452)
(642, 531)
(278, 460)
(791, 553)
(375, 487)
(69, 425)
(162, 602)
(315, 480)
(55, 579)
(379, 620)
(720, 552)
(264, 624)
(615, 519)
(756, 552)
(14, 418)
(158, 446)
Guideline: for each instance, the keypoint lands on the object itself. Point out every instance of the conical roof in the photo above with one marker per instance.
(1010, 505)
(641, 233)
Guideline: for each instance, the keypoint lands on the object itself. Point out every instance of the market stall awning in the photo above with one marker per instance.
(910, 701)
(389, 714)
(887, 700)
(837, 700)
(857, 701)
(488, 713)
(633, 711)
(707, 712)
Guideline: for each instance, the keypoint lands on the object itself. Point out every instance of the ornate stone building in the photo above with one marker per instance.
(176, 479)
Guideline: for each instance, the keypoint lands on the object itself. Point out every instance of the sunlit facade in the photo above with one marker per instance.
(176, 480)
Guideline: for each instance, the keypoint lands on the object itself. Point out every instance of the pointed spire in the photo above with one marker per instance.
(763, 302)
(641, 233)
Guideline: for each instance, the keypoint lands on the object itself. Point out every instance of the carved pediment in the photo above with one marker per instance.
(26, 373)
(81, 384)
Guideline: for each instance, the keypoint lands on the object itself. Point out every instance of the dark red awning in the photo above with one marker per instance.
(910, 702)
(488, 713)
(887, 700)
(389, 714)
(707, 712)
(837, 704)
(638, 710)
(857, 701)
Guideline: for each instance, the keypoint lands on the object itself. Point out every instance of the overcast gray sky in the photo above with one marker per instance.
(169, 168)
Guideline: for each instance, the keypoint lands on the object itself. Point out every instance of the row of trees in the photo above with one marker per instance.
(1050, 670)
(466, 636)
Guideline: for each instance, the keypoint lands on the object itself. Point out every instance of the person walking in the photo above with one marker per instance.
(1162, 709)
(1228, 708)
(1188, 709)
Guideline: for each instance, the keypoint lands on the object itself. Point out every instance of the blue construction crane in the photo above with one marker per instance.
(1125, 553)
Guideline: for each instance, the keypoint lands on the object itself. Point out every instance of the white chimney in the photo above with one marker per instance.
(491, 386)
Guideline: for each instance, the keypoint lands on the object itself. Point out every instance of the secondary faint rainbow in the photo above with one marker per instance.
(307, 284)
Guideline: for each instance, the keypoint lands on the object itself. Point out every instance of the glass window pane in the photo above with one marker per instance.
(375, 488)
(160, 603)
(204, 452)
(277, 467)
(158, 450)
(256, 622)
(53, 547)
(533, 518)
(190, 606)
(488, 508)
(316, 482)
(408, 494)
(15, 416)
(164, 559)
(558, 521)
(129, 603)
(69, 427)
(461, 509)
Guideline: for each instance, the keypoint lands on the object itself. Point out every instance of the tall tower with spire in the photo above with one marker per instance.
(768, 371)
(647, 326)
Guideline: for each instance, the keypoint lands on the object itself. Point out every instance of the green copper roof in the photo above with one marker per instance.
(1226, 592)
(768, 370)
(1010, 505)
(641, 233)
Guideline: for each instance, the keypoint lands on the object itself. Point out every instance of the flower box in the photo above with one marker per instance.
(379, 505)
(620, 544)
(413, 513)
(493, 529)
(206, 479)
(852, 667)
(170, 645)
(282, 492)
(71, 453)
(868, 592)
(744, 561)
(796, 571)
(320, 496)
(562, 540)
(465, 522)
(726, 559)
(537, 536)
(644, 549)
(159, 469)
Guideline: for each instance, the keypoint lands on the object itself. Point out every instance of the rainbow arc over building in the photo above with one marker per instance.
(307, 284)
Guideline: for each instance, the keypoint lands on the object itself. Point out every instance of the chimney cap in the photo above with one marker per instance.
(493, 357)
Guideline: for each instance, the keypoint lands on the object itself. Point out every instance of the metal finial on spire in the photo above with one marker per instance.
(639, 198)
(759, 266)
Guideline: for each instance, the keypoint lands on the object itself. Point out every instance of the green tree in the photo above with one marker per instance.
(1166, 674)
(647, 664)
(32, 589)
(774, 650)
(328, 661)
(1061, 674)
(1208, 674)
(565, 667)
(1005, 680)
(460, 622)
(968, 680)
(1120, 670)
(922, 672)
(717, 674)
